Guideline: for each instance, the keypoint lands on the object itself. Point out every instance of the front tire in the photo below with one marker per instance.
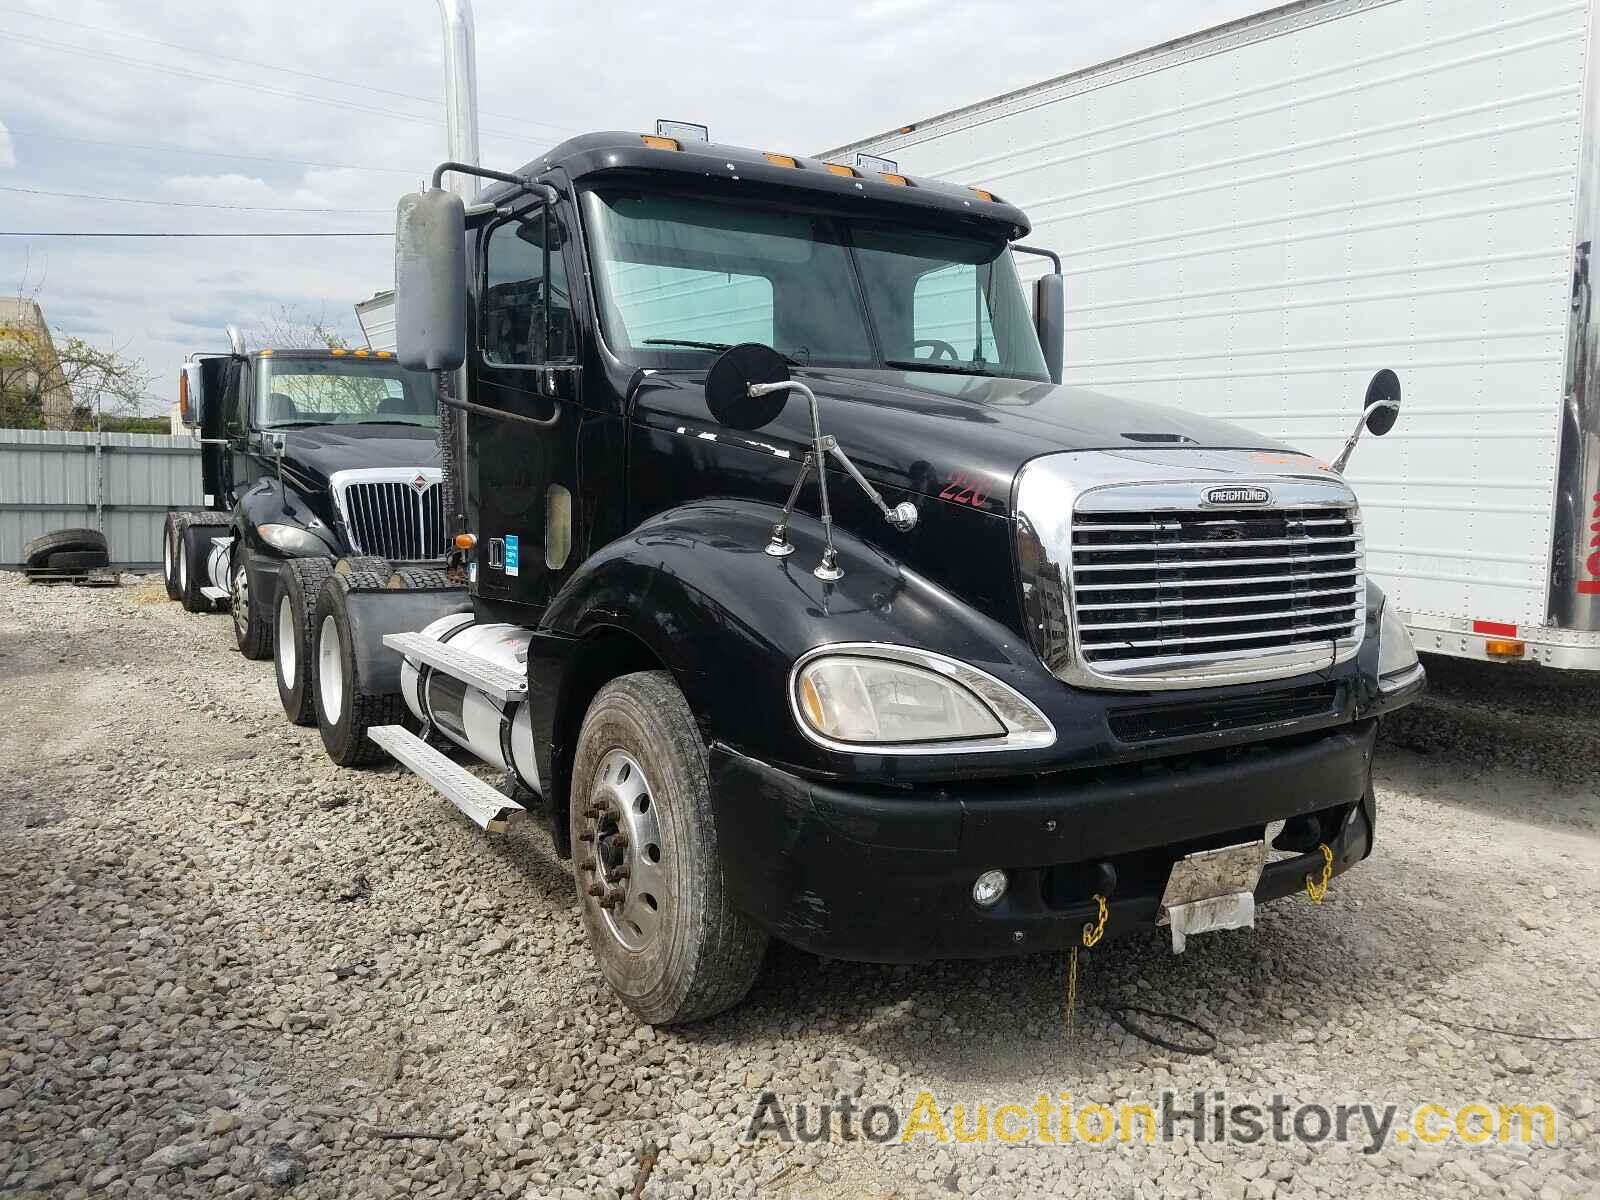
(294, 636)
(252, 620)
(645, 858)
(346, 706)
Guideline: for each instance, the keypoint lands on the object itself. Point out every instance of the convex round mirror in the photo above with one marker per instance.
(728, 383)
(1385, 386)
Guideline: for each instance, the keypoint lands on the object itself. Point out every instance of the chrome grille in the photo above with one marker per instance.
(399, 517)
(1172, 592)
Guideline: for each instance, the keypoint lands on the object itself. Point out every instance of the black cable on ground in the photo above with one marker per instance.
(1121, 1014)
(1516, 1033)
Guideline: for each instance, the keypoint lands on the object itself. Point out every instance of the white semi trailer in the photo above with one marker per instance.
(1259, 221)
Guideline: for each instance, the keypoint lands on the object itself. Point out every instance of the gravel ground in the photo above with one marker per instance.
(232, 970)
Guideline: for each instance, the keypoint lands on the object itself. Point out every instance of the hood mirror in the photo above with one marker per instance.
(728, 384)
(1379, 412)
(746, 389)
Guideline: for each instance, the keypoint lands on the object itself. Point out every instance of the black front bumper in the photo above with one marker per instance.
(886, 875)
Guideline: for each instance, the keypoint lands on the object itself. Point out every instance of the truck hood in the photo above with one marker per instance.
(941, 434)
(312, 455)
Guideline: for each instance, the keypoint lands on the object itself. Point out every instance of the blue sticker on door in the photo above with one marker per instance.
(513, 554)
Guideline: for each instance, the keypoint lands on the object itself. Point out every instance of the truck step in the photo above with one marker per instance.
(489, 808)
(214, 594)
(488, 677)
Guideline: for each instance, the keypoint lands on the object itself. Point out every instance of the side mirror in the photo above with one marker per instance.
(1382, 406)
(1378, 414)
(191, 395)
(729, 381)
(430, 281)
(1050, 320)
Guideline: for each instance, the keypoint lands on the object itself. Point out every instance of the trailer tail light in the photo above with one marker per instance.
(1505, 648)
(782, 160)
(656, 142)
(897, 180)
(839, 169)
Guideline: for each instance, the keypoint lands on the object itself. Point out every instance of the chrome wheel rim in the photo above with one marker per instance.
(330, 671)
(183, 568)
(287, 643)
(239, 595)
(166, 555)
(622, 854)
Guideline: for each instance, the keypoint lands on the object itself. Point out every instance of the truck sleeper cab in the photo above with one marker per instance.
(308, 457)
(1030, 648)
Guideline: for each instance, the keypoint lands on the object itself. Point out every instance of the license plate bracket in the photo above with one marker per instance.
(1212, 889)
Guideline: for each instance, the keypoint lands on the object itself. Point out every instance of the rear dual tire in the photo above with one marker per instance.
(347, 706)
(294, 636)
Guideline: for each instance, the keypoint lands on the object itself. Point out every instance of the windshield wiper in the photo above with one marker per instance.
(693, 345)
(948, 368)
(421, 423)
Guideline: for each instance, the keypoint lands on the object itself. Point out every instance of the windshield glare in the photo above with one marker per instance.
(293, 392)
(680, 276)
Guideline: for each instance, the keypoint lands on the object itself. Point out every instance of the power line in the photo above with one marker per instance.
(169, 70)
(51, 233)
(157, 149)
(184, 203)
(277, 68)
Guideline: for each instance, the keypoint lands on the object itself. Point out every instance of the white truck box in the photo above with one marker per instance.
(1257, 219)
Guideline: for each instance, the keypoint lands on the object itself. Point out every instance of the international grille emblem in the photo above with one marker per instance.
(420, 483)
(1238, 495)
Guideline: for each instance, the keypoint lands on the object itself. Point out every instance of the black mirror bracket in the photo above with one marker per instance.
(526, 182)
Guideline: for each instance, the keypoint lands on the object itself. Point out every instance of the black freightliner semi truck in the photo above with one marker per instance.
(808, 605)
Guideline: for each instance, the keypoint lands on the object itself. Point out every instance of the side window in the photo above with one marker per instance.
(949, 308)
(236, 398)
(526, 319)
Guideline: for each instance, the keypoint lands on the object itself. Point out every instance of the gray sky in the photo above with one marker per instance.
(255, 81)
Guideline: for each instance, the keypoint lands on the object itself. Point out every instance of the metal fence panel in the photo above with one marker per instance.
(49, 480)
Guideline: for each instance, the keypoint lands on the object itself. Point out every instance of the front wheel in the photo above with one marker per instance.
(347, 704)
(252, 619)
(645, 857)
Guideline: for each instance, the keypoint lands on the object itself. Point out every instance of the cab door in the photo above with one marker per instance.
(524, 470)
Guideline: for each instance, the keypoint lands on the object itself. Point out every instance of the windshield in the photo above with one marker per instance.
(680, 277)
(293, 392)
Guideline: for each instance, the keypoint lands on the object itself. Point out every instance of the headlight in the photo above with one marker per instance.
(1397, 656)
(900, 700)
(291, 539)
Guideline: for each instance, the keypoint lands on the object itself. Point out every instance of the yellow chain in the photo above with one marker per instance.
(1318, 888)
(1072, 995)
(1091, 933)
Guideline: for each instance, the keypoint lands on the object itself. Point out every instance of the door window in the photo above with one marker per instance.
(527, 305)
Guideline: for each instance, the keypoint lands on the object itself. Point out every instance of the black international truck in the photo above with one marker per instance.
(311, 461)
(808, 605)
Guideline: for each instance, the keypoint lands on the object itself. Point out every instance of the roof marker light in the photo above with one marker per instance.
(266, 354)
(337, 351)
(362, 353)
(781, 160)
(656, 142)
(981, 194)
(839, 169)
(897, 180)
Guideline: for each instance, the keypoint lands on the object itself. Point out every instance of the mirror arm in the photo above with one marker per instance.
(1055, 259)
(1337, 466)
(484, 411)
(525, 182)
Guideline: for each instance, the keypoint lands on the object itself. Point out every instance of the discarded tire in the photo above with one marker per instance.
(77, 560)
(37, 552)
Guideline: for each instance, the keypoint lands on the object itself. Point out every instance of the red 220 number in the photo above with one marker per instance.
(961, 490)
